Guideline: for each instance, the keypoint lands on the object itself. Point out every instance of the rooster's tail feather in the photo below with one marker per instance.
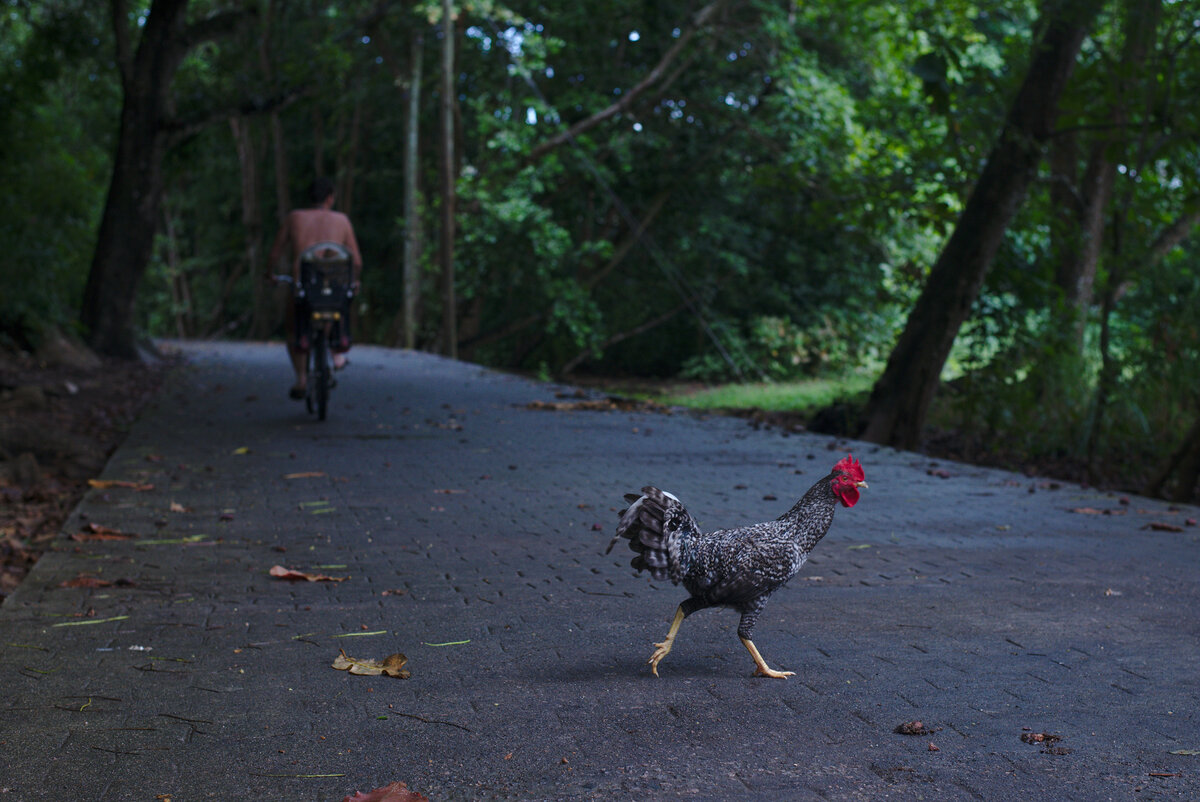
(656, 525)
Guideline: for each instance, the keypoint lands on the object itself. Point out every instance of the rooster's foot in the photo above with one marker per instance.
(763, 670)
(661, 651)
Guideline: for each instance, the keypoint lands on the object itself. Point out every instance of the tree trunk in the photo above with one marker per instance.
(900, 400)
(268, 301)
(126, 239)
(1082, 239)
(446, 249)
(125, 242)
(349, 160)
(1141, 29)
(252, 220)
(318, 130)
(181, 302)
(412, 205)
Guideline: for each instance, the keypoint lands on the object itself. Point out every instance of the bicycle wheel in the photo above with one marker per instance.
(309, 395)
(321, 357)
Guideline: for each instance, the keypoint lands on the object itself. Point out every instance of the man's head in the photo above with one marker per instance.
(321, 190)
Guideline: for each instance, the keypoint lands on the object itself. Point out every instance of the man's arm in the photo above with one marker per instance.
(352, 243)
(281, 242)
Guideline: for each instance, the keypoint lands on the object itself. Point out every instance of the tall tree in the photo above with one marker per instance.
(446, 249)
(148, 125)
(900, 400)
(412, 208)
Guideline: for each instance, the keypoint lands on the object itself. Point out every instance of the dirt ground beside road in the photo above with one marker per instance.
(61, 417)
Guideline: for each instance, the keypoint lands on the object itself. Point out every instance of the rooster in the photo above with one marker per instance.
(738, 568)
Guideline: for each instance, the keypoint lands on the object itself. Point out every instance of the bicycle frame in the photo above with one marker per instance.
(320, 359)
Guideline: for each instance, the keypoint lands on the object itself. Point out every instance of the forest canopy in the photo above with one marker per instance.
(986, 207)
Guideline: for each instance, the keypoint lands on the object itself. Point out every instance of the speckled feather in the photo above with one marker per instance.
(738, 568)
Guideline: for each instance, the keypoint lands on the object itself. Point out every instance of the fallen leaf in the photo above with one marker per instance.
(859, 547)
(105, 484)
(90, 621)
(395, 592)
(1166, 774)
(85, 581)
(1040, 737)
(1185, 752)
(1094, 511)
(1163, 527)
(913, 728)
(177, 507)
(393, 792)
(304, 475)
(392, 665)
(279, 572)
(242, 450)
(933, 747)
(94, 531)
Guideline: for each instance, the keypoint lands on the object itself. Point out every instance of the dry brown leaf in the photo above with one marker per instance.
(304, 475)
(392, 665)
(85, 581)
(1164, 527)
(393, 792)
(279, 572)
(913, 728)
(597, 405)
(1094, 511)
(109, 483)
(95, 531)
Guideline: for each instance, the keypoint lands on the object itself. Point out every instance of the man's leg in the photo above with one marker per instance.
(341, 339)
(299, 358)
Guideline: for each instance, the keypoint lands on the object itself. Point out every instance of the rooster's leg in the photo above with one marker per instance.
(763, 669)
(664, 648)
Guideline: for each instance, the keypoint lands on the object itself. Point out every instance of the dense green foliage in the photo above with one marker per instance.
(766, 206)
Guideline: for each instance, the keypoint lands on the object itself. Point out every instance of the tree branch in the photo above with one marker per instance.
(591, 351)
(120, 22)
(216, 26)
(699, 20)
(178, 130)
(1174, 235)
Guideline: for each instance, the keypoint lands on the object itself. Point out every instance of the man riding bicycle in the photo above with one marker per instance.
(302, 229)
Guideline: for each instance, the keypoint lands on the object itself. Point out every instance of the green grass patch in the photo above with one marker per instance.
(803, 396)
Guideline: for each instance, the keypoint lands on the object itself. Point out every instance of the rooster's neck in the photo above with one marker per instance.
(810, 517)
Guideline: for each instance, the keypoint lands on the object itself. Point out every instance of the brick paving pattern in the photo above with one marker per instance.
(472, 529)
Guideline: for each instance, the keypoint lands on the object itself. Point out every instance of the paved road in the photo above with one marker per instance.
(472, 528)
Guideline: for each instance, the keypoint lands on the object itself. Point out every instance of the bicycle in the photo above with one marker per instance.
(322, 301)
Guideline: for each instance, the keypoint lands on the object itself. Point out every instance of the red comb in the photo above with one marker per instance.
(851, 467)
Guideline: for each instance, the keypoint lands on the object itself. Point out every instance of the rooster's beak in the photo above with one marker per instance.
(860, 484)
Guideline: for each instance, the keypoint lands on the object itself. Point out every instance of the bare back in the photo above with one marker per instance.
(304, 228)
